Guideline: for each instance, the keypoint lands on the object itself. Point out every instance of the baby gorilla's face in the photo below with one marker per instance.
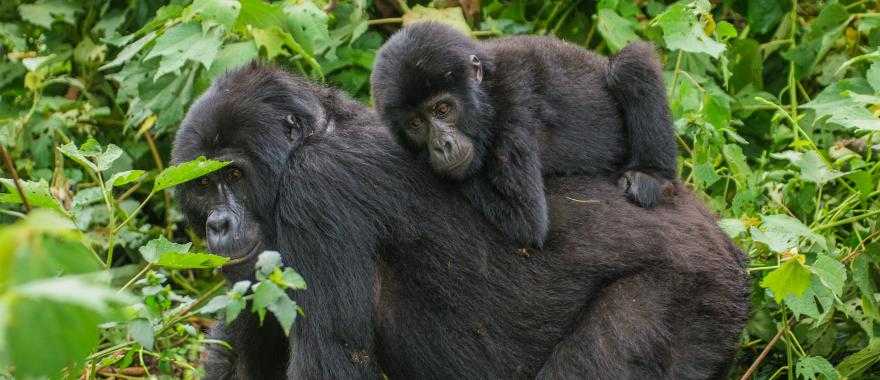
(432, 126)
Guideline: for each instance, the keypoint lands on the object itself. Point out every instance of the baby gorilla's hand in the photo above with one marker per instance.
(644, 189)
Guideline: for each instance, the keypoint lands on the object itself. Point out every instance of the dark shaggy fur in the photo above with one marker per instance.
(405, 278)
(543, 107)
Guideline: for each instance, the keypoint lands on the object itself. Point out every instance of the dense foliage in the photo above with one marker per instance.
(775, 105)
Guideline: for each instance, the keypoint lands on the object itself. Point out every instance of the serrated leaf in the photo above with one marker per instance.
(292, 279)
(195, 260)
(141, 330)
(265, 293)
(831, 272)
(37, 194)
(241, 287)
(683, 31)
(154, 249)
(284, 310)
(308, 23)
(781, 233)
(835, 104)
(267, 262)
(186, 42)
(732, 227)
(71, 151)
(129, 51)
(617, 31)
(45, 12)
(813, 169)
(215, 304)
(806, 303)
(105, 160)
(223, 12)
(791, 279)
(123, 178)
(809, 367)
(873, 76)
(234, 308)
(177, 174)
(452, 16)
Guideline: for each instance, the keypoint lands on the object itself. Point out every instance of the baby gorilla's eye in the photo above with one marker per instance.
(233, 175)
(203, 182)
(441, 110)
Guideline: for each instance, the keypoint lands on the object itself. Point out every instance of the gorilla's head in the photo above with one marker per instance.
(254, 117)
(427, 87)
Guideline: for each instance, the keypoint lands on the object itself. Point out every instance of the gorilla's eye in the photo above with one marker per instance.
(441, 110)
(204, 182)
(233, 175)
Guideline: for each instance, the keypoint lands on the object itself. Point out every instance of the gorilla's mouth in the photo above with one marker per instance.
(456, 166)
(253, 251)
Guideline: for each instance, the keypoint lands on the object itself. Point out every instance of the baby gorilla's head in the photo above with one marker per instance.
(427, 89)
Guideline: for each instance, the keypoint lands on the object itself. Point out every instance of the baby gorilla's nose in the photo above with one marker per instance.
(443, 145)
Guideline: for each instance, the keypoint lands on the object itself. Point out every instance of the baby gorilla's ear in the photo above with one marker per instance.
(476, 69)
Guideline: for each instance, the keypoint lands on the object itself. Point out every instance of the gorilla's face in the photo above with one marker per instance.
(253, 118)
(434, 127)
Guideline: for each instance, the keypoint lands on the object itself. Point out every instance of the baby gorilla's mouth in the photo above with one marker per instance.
(454, 165)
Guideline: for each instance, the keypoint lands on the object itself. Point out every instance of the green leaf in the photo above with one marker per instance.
(764, 15)
(809, 367)
(452, 16)
(71, 151)
(272, 39)
(873, 76)
(129, 51)
(308, 23)
(260, 14)
(154, 249)
(705, 175)
(265, 293)
(683, 31)
(284, 310)
(732, 227)
(177, 174)
(858, 362)
(831, 272)
(215, 304)
(267, 262)
(188, 41)
(782, 232)
(123, 178)
(292, 280)
(178, 260)
(792, 278)
(234, 309)
(835, 105)
(230, 57)
(806, 303)
(105, 160)
(45, 12)
(37, 194)
(617, 31)
(223, 12)
(813, 169)
(141, 330)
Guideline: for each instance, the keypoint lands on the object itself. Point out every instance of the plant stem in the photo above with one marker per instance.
(10, 168)
(111, 225)
(381, 21)
(675, 75)
(136, 277)
(792, 80)
(848, 220)
(159, 165)
(763, 354)
(139, 207)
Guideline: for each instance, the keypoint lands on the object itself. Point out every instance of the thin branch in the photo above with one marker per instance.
(161, 166)
(10, 168)
(763, 355)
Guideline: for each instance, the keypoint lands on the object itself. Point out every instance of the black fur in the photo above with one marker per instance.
(543, 106)
(405, 278)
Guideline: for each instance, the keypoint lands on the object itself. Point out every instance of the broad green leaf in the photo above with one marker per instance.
(781, 233)
(873, 76)
(154, 249)
(37, 194)
(683, 31)
(837, 106)
(813, 169)
(215, 304)
(177, 174)
(123, 178)
(71, 151)
(831, 272)
(736, 161)
(861, 268)
(232, 56)
(617, 31)
(809, 367)
(45, 12)
(308, 23)
(129, 51)
(806, 303)
(705, 175)
(141, 330)
(764, 15)
(732, 227)
(234, 308)
(104, 160)
(267, 262)
(272, 39)
(292, 280)
(188, 41)
(452, 16)
(195, 260)
(265, 293)
(223, 12)
(858, 362)
(259, 14)
(284, 310)
(792, 278)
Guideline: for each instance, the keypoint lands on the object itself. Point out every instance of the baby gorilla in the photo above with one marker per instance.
(496, 115)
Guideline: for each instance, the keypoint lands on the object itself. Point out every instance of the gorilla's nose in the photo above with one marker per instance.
(219, 224)
(443, 144)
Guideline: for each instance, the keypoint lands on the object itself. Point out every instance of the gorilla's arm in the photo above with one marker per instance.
(219, 361)
(510, 191)
(636, 82)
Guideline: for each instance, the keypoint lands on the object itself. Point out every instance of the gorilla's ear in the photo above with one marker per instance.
(476, 69)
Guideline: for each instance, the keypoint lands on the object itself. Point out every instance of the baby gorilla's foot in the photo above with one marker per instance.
(644, 189)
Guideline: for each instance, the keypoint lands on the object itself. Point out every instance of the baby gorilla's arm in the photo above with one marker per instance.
(509, 190)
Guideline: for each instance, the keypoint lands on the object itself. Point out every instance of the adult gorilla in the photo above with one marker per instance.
(406, 279)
